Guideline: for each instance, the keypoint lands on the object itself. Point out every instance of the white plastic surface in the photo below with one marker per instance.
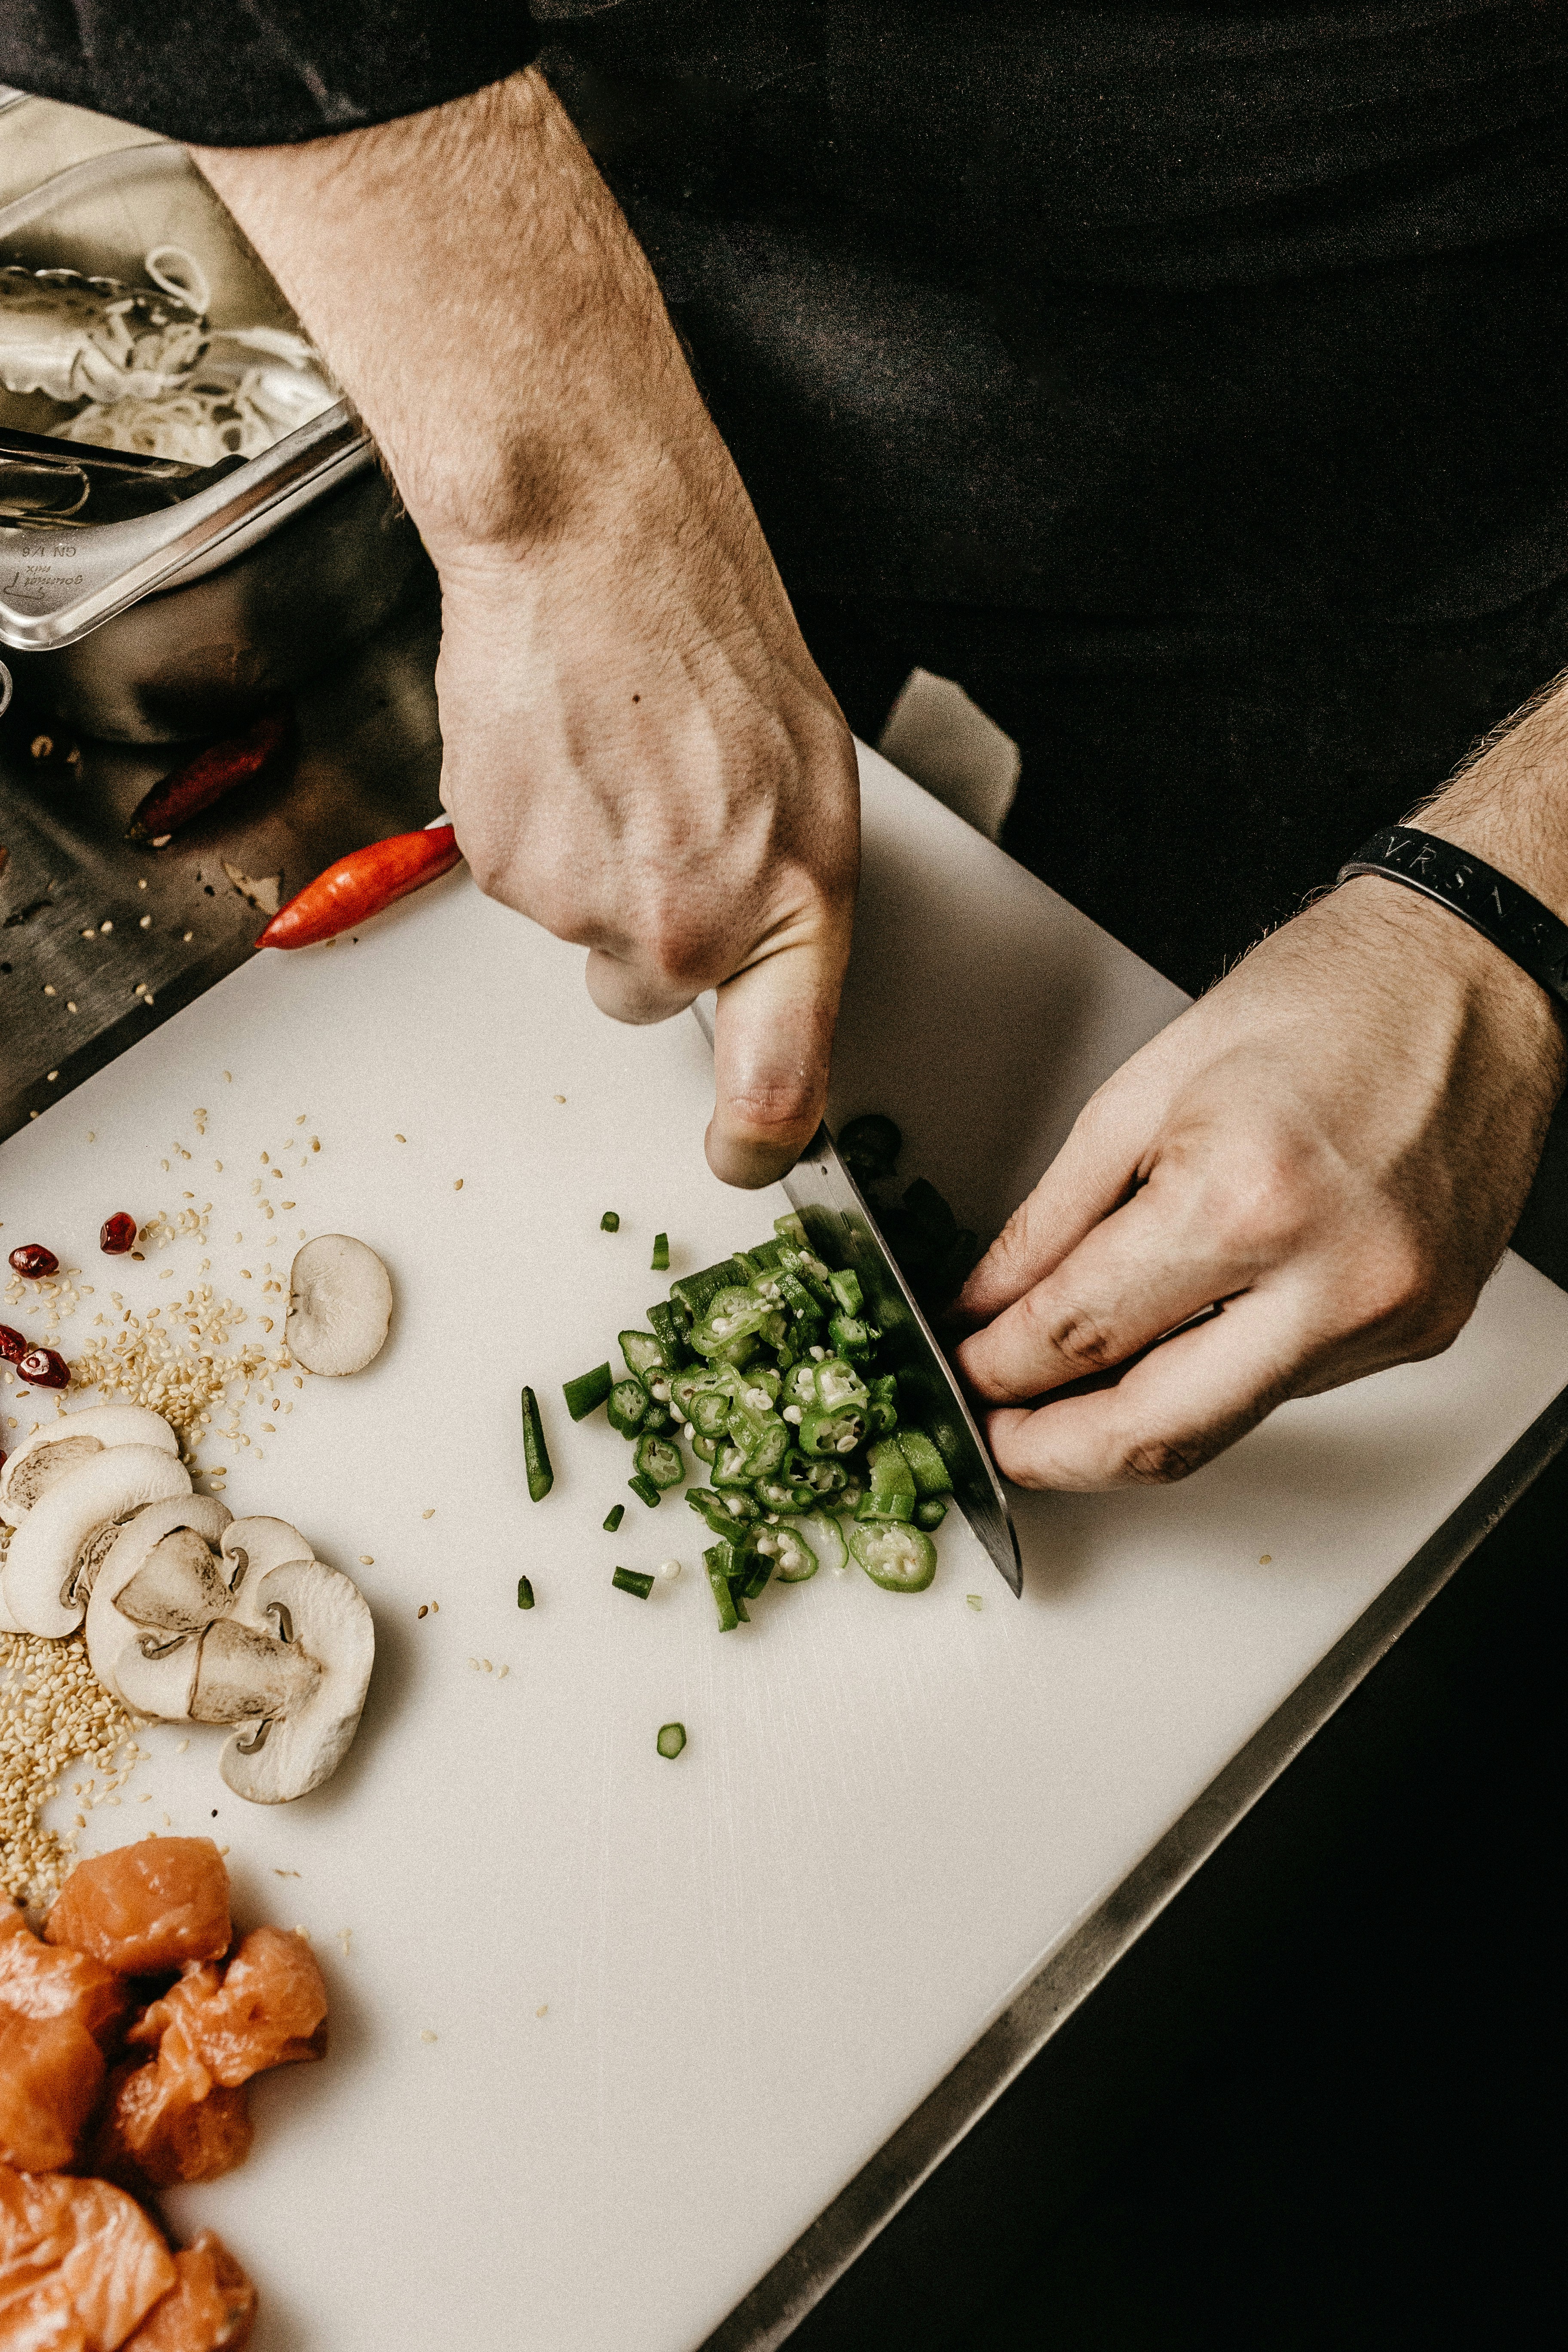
(678, 2004)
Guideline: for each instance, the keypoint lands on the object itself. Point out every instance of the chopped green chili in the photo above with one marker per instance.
(535, 1453)
(525, 1593)
(616, 1515)
(659, 1462)
(609, 1223)
(645, 1490)
(588, 1391)
(716, 1559)
(661, 1253)
(671, 1740)
(627, 1579)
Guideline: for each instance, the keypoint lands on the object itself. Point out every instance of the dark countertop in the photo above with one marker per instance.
(366, 762)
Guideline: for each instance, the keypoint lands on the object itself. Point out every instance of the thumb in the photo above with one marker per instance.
(772, 1039)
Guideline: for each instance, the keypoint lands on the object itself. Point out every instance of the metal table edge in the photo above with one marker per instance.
(785, 2294)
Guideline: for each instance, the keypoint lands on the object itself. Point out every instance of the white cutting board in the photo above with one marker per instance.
(752, 1962)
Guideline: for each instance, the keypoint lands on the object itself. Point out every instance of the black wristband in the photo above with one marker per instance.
(1481, 895)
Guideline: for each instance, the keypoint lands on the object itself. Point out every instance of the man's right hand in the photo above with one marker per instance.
(638, 750)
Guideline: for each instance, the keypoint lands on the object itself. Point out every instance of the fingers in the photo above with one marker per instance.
(1156, 1261)
(1091, 1173)
(1172, 1412)
(772, 1039)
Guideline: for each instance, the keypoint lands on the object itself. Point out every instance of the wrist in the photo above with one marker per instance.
(1464, 980)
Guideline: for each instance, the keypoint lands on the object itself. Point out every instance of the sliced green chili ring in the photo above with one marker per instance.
(847, 1500)
(671, 1741)
(790, 1227)
(695, 1290)
(535, 1453)
(661, 1253)
(837, 1383)
(588, 1391)
(851, 1337)
(730, 1467)
(768, 1448)
(726, 1514)
(800, 1383)
(710, 1412)
(645, 1490)
(616, 1514)
(826, 1539)
(829, 1429)
(716, 1561)
(628, 1407)
(627, 1579)
(796, 1559)
(525, 1593)
(658, 1460)
(882, 1406)
(644, 1353)
(705, 1448)
(672, 1324)
(897, 1556)
(892, 1492)
(609, 1223)
(753, 1581)
(846, 1287)
(780, 1493)
(930, 1513)
(929, 1472)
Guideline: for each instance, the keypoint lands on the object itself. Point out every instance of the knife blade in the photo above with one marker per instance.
(843, 1230)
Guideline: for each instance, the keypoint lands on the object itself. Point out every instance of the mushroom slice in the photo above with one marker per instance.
(152, 1667)
(43, 1589)
(50, 1454)
(319, 1615)
(251, 1547)
(339, 1304)
(244, 1675)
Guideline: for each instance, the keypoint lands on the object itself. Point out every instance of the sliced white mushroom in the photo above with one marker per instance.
(253, 1548)
(164, 1561)
(340, 1305)
(50, 1454)
(52, 1555)
(318, 1619)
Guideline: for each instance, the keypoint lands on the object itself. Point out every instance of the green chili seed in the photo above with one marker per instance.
(609, 1223)
(644, 1489)
(626, 1580)
(661, 1253)
(615, 1519)
(588, 1391)
(525, 1593)
(535, 1453)
(671, 1740)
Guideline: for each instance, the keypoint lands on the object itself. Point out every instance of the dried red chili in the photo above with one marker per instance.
(360, 884)
(117, 1234)
(35, 1261)
(191, 790)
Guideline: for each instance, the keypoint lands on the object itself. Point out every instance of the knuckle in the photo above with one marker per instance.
(1152, 1460)
(1260, 1201)
(1078, 1339)
(775, 1107)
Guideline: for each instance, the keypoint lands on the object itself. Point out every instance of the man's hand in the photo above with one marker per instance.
(1336, 1142)
(638, 750)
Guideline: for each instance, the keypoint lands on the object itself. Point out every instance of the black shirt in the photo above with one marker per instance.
(1103, 308)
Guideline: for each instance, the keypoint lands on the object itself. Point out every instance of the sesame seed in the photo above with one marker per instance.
(426, 2035)
(145, 924)
(456, 1184)
(366, 1560)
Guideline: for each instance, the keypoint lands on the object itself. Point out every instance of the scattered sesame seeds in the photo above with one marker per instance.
(53, 1710)
(423, 1609)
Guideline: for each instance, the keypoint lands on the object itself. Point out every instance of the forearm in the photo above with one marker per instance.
(475, 290)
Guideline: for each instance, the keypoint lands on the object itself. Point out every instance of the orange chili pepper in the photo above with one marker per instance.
(360, 884)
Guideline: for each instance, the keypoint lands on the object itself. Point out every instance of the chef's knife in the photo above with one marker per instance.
(844, 1232)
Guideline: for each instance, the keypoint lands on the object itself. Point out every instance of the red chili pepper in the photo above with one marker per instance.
(45, 1367)
(360, 884)
(193, 789)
